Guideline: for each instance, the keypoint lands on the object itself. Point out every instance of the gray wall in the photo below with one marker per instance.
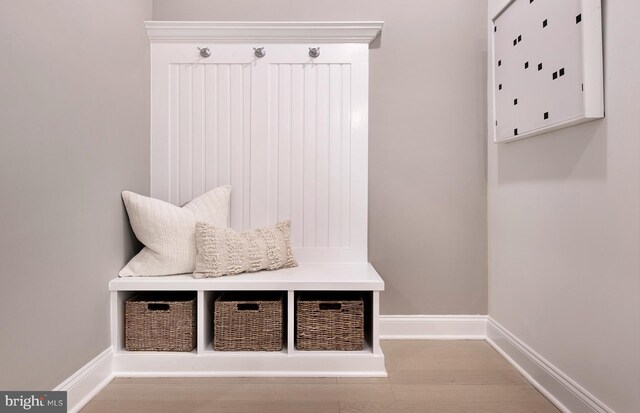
(427, 218)
(74, 124)
(564, 231)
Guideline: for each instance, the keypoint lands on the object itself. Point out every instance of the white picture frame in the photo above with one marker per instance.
(547, 66)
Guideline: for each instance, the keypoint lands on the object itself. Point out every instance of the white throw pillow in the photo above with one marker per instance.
(223, 251)
(168, 232)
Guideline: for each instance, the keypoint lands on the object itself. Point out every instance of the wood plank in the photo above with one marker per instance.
(447, 407)
(448, 363)
(381, 407)
(479, 393)
(364, 392)
(459, 377)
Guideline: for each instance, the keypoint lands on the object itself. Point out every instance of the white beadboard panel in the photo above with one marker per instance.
(288, 133)
(309, 140)
(209, 120)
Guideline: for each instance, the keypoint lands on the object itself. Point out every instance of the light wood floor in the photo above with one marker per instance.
(424, 376)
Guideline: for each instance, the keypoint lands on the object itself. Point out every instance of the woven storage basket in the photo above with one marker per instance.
(330, 324)
(161, 322)
(248, 322)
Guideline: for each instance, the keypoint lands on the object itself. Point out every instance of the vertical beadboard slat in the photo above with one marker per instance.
(273, 145)
(224, 124)
(259, 145)
(284, 143)
(322, 157)
(246, 139)
(309, 159)
(211, 127)
(297, 155)
(237, 114)
(174, 134)
(198, 134)
(186, 129)
(346, 156)
(161, 127)
(335, 160)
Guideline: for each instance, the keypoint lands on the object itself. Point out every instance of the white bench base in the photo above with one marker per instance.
(289, 362)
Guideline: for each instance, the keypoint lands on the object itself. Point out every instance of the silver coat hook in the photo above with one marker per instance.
(314, 52)
(259, 52)
(205, 52)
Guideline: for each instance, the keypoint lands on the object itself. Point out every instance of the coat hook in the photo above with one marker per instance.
(205, 52)
(259, 52)
(314, 52)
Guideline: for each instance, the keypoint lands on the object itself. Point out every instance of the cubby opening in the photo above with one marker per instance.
(248, 301)
(328, 301)
(156, 302)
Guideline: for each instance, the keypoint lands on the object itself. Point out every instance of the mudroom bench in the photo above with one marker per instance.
(205, 361)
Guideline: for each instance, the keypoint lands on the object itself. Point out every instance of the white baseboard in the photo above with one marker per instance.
(85, 383)
(433, 327)
(559, 388)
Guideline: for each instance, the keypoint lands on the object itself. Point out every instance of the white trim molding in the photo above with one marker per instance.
(555, 385)
(88, 381)
(263, 32)
(433, 327)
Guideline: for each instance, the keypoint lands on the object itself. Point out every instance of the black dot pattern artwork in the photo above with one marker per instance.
(538, 67)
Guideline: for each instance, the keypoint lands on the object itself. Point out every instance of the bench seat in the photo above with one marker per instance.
(305, 277)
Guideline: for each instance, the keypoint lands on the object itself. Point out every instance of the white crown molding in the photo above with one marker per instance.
(88, 381)
(274, 32)
(554, 384)
(433, 327)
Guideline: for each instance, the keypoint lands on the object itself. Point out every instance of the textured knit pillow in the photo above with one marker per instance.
(168, 232)
(223, 251)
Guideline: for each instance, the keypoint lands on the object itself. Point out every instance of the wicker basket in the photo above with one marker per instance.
(248, 322)
(330, 324)
(161, 322)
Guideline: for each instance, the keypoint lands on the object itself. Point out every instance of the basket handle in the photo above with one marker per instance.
(248, 307)
(330, 306)
(157, 307)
